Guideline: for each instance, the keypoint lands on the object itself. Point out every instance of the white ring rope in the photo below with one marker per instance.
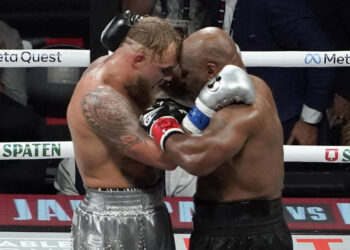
(64, 149)
(296, 58)
(81, 58)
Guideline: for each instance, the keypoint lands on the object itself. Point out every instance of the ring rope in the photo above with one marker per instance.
(81, 58)
(64, 149)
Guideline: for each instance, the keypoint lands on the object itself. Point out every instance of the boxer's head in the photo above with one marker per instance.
(156, 35)
(155, 49)
(159, 48)
(204, 53)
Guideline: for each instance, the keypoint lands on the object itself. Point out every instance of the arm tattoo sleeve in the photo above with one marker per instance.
(110, 114)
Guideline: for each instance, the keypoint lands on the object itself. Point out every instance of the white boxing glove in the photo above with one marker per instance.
(231, 85)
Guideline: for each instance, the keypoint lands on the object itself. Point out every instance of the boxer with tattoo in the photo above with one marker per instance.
(123, 207)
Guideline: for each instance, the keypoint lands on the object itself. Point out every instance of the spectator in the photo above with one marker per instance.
(13, 79)
(334, 18)
(18, 122)
(345, 132)
(302, 94)
(338, 117)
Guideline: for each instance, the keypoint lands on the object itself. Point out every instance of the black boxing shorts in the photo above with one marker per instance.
(123, 219)
(244, 225)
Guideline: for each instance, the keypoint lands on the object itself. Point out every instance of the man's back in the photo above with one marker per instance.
(256, 168)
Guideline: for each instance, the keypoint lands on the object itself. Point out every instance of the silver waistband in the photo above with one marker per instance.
(121, 200)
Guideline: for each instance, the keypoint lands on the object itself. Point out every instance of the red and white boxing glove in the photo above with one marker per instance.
(163, 127)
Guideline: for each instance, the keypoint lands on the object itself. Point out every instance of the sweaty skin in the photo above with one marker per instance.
(239, 156)
(110, 146)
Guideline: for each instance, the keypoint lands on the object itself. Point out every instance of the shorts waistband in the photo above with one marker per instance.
(123, 199)
(117, 189)
(237, 211)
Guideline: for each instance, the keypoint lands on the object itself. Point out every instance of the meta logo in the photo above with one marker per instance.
(331, 154)
(312, 58)
(335, 59)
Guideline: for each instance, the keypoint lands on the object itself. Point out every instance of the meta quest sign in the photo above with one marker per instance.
(56, 210)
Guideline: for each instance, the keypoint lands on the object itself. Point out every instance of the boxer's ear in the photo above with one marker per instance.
(139, 58)
(212, 70)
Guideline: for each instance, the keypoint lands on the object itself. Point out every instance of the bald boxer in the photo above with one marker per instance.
(123, 207)
(236, 151)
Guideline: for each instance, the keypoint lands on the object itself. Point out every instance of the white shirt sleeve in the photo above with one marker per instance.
(310, 115)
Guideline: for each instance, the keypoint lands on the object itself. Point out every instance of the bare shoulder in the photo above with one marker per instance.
(110, 114)
(262, 89)
(237, 116)
(259, 83)
(95, 64)
(91, 78)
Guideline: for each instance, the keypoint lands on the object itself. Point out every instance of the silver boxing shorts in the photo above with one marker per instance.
(128, 219)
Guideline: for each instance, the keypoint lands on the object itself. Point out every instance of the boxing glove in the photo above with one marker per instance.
(230, 85)
(163, 119)
(117, 29)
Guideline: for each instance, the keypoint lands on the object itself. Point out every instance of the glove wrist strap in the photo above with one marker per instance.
(196, 120)
(187, 123)
(204, 109)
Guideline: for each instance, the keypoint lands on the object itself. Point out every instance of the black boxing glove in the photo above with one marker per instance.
(117, 29)
(163, 119)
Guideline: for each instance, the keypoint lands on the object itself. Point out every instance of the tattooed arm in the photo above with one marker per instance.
(110, 114)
